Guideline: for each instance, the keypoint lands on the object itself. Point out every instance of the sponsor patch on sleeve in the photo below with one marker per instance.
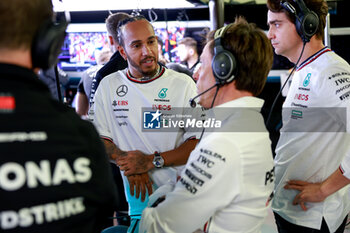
(7, 103)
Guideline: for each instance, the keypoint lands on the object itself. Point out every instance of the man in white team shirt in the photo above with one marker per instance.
(145, 157)
(314, 137)
(229, 176)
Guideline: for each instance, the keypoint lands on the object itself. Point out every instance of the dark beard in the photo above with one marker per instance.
(138, 68)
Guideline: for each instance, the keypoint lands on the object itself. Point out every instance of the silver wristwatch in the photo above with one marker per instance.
(158, 160)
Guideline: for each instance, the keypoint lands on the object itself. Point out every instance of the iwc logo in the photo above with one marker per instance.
(122, 90)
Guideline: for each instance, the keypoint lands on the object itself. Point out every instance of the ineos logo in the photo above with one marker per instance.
(122, 90)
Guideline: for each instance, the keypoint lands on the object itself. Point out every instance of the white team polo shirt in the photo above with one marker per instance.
(227, 179)
(314, 138)
(117, 113)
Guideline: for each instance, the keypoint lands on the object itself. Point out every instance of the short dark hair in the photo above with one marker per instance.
(320, 7)
(124, 22)
(160, 41)
(253, 52)
(112, 23)
(179, 68)
(189, 42)
(20, 21)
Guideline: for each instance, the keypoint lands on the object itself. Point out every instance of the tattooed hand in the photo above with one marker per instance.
(135, 162)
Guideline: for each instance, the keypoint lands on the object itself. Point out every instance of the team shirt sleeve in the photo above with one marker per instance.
(345, 166)
(335, 92)
(340, 79)
(99, 114)
(201, 189)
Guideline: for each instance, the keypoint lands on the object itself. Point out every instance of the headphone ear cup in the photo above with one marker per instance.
(224, 67)
(310, 24)
(306, 21)
(47, 44)
(307, 25)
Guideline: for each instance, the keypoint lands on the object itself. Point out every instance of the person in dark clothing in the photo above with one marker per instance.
(188, 54)
(116, 62)
(54, 172)
(48, 76)
(179, 68)
(84, 86)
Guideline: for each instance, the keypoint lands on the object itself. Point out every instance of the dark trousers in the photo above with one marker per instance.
(284, 226)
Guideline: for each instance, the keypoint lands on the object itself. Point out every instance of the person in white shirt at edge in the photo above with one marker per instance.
(314, 137)
(145, 157)
(229, 176)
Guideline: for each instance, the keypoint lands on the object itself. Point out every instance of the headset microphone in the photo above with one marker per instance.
(193, 103)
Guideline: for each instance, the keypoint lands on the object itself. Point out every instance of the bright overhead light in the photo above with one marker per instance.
(100, 5)
(101, 27)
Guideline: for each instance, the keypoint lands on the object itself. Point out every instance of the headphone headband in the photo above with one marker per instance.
(306, 21)
(221, 31)
(302, 6)
(48, 41)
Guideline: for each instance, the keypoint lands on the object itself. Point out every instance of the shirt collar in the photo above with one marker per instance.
(18, 74)
(314, 57)
(158, 74)
(223, 111)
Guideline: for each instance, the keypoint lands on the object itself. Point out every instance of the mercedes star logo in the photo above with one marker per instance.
(122, 90)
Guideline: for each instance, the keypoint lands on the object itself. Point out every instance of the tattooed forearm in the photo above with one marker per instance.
(112, 150)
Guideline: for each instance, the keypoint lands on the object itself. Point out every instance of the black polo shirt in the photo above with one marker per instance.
(54, 172)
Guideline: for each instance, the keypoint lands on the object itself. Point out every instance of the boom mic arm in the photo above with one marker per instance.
(193, 103)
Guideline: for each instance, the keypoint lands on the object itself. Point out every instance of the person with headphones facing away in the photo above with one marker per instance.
(54, 171)
(315, 134)
(228, 177)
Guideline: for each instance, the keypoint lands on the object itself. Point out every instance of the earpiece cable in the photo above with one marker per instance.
(284, 84)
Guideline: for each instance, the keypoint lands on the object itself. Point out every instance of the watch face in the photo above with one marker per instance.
(158, 162)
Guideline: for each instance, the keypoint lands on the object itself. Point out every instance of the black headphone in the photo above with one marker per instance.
(48, 41)
(224, 64)
(306, 21)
